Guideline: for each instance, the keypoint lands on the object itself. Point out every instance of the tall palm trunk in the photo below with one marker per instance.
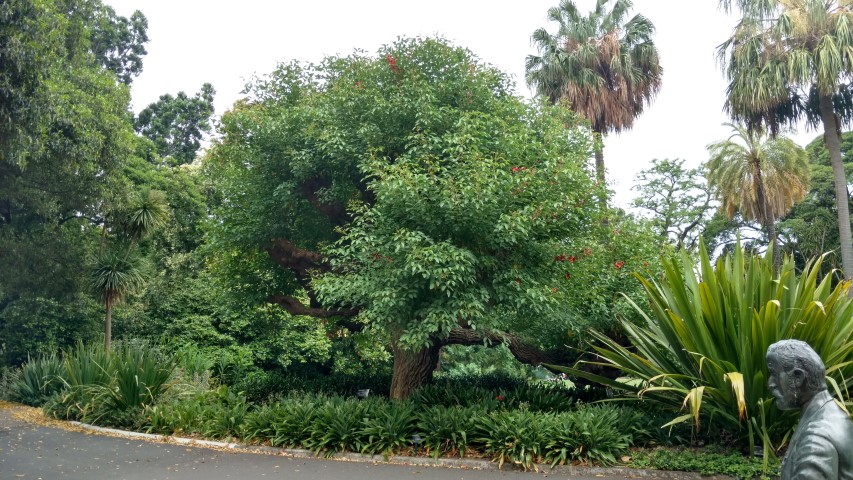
(108, 326)
(765, 218)
(832, 140)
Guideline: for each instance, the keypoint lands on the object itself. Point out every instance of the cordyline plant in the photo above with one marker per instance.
(703, 347)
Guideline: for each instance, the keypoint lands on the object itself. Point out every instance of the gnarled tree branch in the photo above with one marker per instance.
(523, 352)
(298, 260)
(296, 307)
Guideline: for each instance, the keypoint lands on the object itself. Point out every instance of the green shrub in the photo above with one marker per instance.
(86, 364)
(223, 417)
(6, 377)
(590, 435)
(139, 376)
(517, 437)
(37, 326)
(338, 425)
(643, 421)
(490, 381)
(542, 398)
(457, 396)
(260, 386)
(109, 389)
(184, 416)
(447, 430)
(259, 423)
(293, 425)
(705, 342)
(35, 382)
(390, 429)
(193, 361)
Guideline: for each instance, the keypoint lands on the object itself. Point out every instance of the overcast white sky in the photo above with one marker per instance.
(225, 43)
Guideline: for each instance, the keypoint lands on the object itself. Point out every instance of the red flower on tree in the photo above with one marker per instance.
(392, 62)
(619, 264)
(515, 169)
(499, 398)
(572, 258)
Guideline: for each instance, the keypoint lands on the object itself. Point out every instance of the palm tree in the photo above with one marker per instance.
(789, 60)
(147, 212)
(115, 274)
(760, 177)
(605, 67)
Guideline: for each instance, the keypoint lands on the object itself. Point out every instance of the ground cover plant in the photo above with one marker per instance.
(706, 461)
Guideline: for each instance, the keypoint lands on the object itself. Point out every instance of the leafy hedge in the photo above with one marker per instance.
(327, 425)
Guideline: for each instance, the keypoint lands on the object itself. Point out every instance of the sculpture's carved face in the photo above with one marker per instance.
(785, 386)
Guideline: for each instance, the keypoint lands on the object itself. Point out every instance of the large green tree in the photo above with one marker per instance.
(65, 132)
(678, 199)
(759, 177)
(410, 194)
(793, 59)
(605, 65)
(44, 43)
(177, 124)
(811, 228)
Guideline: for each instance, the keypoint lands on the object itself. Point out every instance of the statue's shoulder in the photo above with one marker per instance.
(832, 423)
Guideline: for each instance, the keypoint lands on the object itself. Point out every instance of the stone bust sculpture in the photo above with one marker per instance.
(822, 445)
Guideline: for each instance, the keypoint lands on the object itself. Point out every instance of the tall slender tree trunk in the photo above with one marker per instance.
(774, 244)
(108, 326)
(598, 150)
(766, 219)
(412, 369)
(832, 140)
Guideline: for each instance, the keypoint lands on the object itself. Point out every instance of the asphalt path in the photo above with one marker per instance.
(30, 451)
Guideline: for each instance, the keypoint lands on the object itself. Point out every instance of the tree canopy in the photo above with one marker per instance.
(64, 133)
(677, 198)
(604, 65)
(789, 60)
(760, 177)
(177, 124)
(409, 192)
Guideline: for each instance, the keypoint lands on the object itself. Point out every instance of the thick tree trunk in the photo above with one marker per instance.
(832, 140)
(108, 327)
(412, 369)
